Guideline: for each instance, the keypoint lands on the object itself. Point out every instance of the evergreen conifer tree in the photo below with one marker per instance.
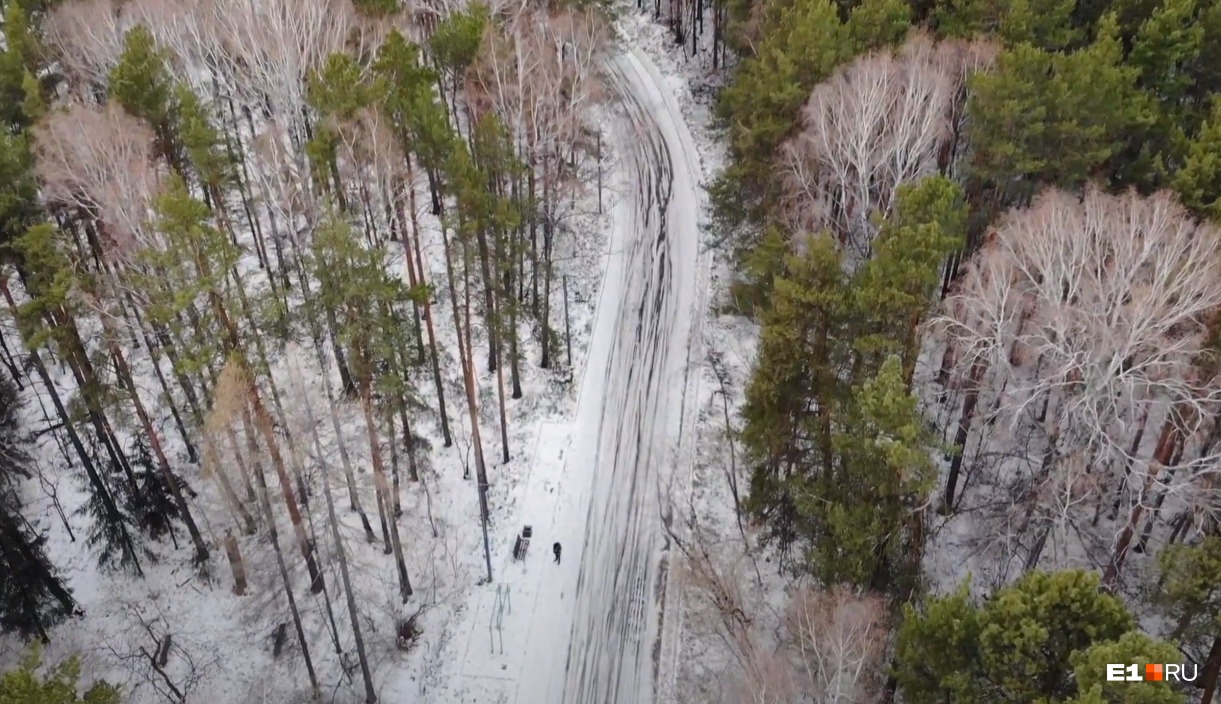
(33, 597)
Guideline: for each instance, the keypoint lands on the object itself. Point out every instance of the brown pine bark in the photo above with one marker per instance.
(492, 317)
(398, 229)
(379, 479)
(236, 564)
(154, 442)
(468, 378)
(269, 517)
(264, 425)
(432, 336)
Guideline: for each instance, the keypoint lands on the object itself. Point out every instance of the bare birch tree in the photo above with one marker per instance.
(1090, 315)
(109, 174)
(88, 38)
(841, 640)
(271, 46)
(885, 120)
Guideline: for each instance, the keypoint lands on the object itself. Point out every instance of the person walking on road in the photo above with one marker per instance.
(556, 549)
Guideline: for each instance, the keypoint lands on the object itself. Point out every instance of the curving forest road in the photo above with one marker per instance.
(586, 631)
(638, 419)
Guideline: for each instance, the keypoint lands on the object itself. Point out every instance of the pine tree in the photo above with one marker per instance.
(456, 236)
(411, 104)
(951, 622)
(1198, 182)
(1047, 24)
(47, 321)
(1206, 69)
(863, 518)
(337, 91)
(1090, 668)
(410, 107)
(1164, 48)
(1020, 646)
(25, 684)
(353, 281)
(896, 287)
(453, 46)
(1048, 118)
(829, 344)
(874, 24)
(481, 198)
(33, 597)
(1009, 119)
(1190, 595)
(19, 62)
(797, 386)
(142, 84)
(802, 43)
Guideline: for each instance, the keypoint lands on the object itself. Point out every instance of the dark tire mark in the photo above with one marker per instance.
(621, 539)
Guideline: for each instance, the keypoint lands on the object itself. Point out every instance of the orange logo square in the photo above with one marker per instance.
(1154, 673)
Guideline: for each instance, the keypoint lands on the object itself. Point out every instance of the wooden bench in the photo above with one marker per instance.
(522, 543)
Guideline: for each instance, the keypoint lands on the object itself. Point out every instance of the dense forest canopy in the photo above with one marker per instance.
(979, 239)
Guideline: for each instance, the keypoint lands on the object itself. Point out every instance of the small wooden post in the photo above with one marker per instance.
(599, 172)
(235, 563)
(567, 324)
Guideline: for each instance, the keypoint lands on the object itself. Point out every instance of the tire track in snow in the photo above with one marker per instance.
(610, 656)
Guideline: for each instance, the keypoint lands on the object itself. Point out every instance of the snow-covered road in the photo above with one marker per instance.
(586, 631)
(633, 444)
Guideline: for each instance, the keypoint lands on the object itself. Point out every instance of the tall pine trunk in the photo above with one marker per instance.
(379, 479)
(324, 369)
(428, 313)
(154, 442)
(269, 517)
(493, 321)
(264, 425)
(341, 556)
(468, 377)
